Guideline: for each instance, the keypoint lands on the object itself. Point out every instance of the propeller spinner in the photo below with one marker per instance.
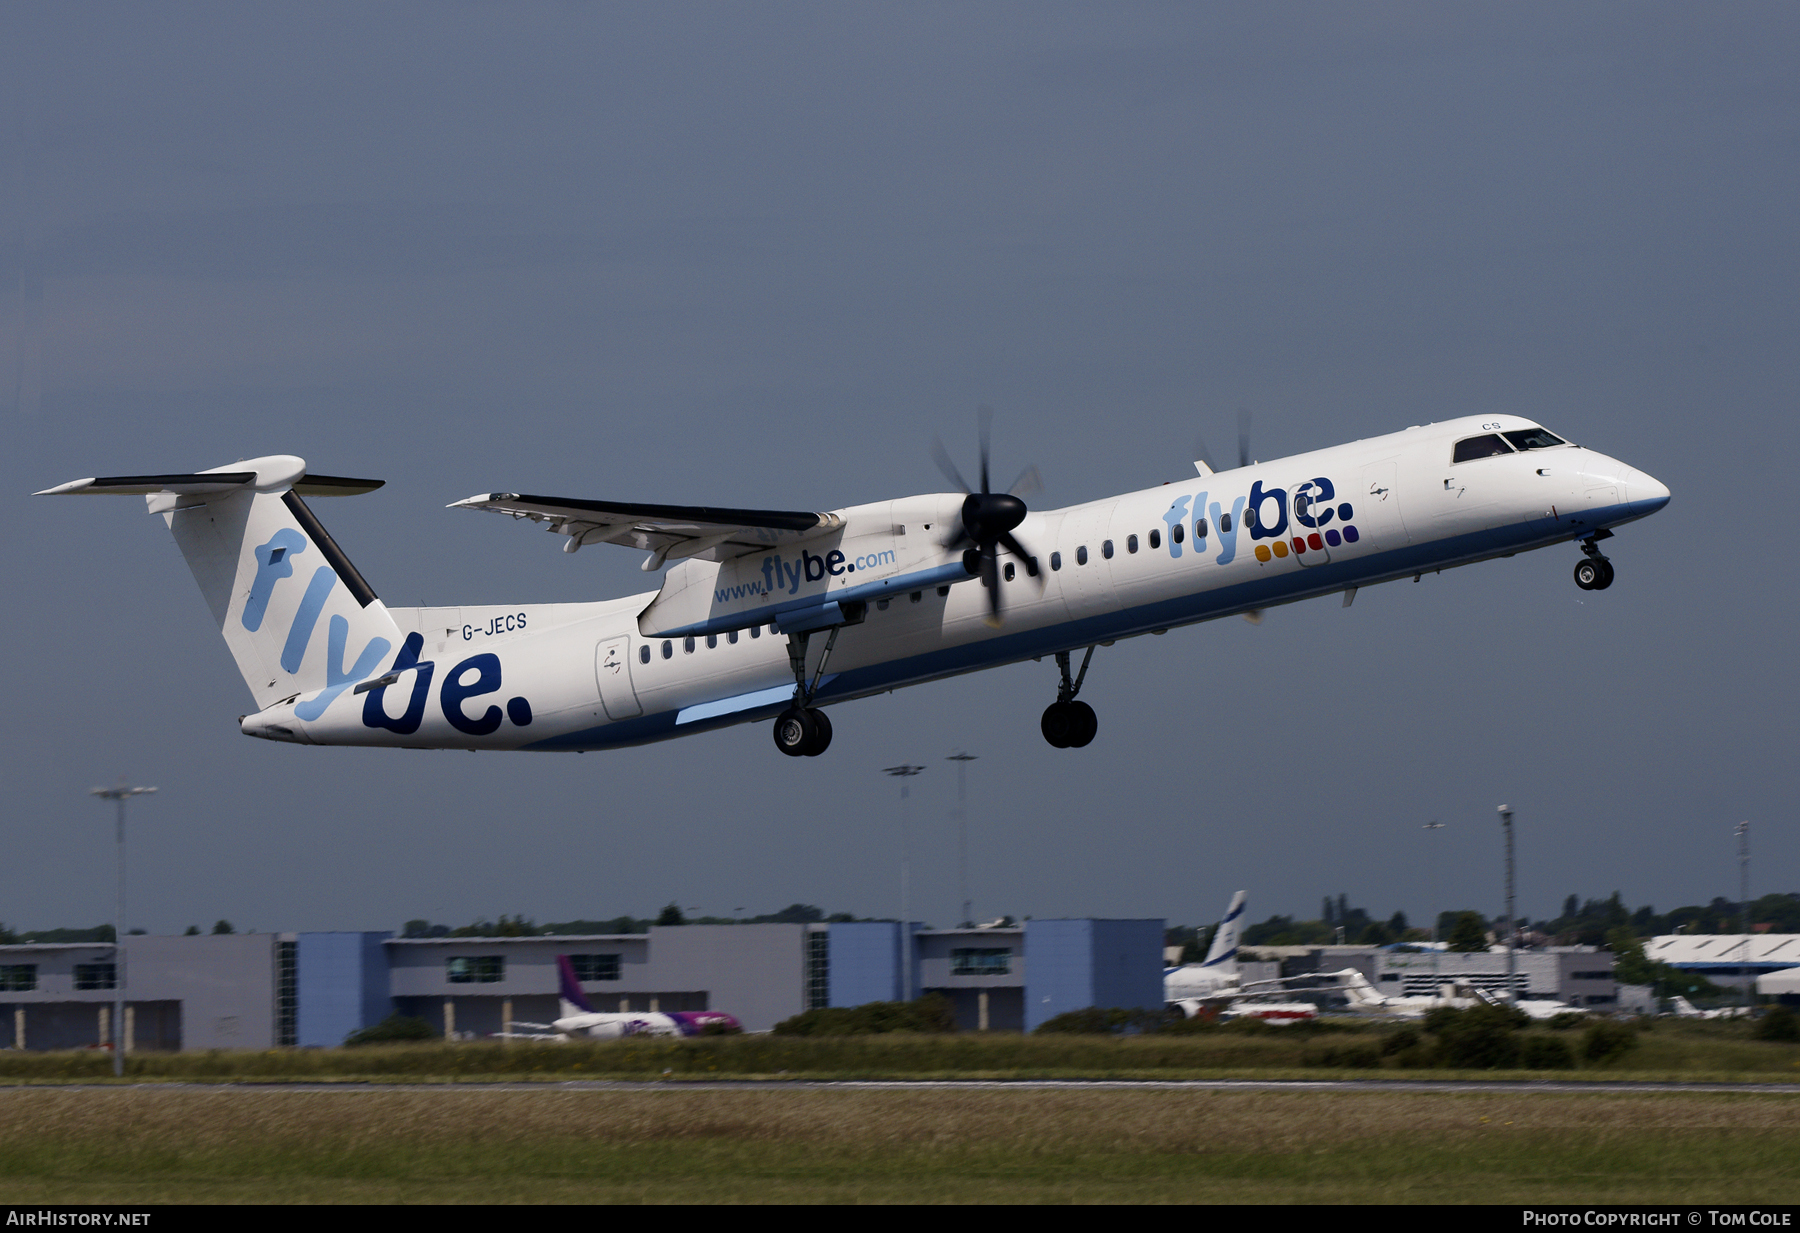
(987, 519)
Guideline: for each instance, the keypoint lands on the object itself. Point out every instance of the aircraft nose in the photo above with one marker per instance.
(1644, 493)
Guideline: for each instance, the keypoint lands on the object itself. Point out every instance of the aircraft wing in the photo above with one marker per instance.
(665, 531)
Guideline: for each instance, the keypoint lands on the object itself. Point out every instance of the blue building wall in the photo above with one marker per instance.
(865, 962)
(1059, 968)
(1072, 964)
(342, 983)
(1128, 963)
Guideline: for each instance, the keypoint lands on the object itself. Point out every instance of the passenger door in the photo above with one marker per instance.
(612, 672)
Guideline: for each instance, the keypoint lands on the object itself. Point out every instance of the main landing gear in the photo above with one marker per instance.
(803, 730)
(1593, 572)
(1068, 724)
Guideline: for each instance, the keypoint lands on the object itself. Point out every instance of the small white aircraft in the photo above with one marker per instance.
(1363, 998)
(770, 613)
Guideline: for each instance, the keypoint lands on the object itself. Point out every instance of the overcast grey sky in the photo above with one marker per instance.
(759, 255)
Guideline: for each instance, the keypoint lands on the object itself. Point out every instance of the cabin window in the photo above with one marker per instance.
(1081, 555)
(943, 592)
(1131, 543)
(1055, 561)
(1175, 533)
(1532, 439)
(756, 631)
(712, 642)
(1155, 538)
(1489, 446)
(1199, 530)
(644, 653)
(668, 649)
(916, 596)
(1250, 517)
(1009, 571)
(881, 605)
(731, 637)
(687, 644)
(1106, 549)
(1225, 522)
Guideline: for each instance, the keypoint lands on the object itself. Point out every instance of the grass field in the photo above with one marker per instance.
(466, 1145)
(1714, 1050)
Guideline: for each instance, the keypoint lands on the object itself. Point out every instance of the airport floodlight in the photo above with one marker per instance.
(1512, 992)
(1742, 831)
(119, 795)
(962, 761)
(903, 773)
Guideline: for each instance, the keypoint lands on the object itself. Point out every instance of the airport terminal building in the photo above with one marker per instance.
(260, 991)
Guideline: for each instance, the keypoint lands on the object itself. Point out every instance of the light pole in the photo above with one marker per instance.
(962, 761)
(1512, 992)
(904, 773)
(1742, 831)
(119, 796)
(1436, 899)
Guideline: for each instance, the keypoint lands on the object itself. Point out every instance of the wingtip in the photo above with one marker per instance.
(63, 489)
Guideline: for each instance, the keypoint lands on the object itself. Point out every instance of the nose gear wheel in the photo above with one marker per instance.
(1068, 724)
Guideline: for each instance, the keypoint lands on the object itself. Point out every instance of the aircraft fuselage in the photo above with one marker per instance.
(710, 648)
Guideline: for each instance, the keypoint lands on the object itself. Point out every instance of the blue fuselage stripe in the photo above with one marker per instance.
(1264, 592)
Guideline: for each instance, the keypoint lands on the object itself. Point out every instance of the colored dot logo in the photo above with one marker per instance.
(1314, 541)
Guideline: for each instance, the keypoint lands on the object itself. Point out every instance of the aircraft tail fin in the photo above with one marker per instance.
(1358, 990)
(574, 1001)
(270, 573)
(1222, 955)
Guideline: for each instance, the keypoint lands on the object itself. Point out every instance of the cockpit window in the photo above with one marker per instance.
(1480, 447)
(1534, 439)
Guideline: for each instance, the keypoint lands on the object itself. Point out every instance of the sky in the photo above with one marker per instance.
(760, 255)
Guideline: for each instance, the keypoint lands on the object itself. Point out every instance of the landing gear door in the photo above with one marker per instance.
(612, 672)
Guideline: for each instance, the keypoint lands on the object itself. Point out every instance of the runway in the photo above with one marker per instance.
(1493, 1086)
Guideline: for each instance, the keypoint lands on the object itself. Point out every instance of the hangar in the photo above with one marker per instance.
(260, 991)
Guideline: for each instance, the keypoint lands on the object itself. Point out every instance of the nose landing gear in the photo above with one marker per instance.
(1068, 724)
(1593, 572)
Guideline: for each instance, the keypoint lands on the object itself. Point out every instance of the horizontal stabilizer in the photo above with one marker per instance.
(205, 483)
(665, 531)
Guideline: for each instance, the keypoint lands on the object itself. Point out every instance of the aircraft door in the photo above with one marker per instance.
(612, 672)
(1376, 507)
(1309, 529)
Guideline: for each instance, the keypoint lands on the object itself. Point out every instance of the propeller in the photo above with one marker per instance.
(1205, 455)
(987, 518)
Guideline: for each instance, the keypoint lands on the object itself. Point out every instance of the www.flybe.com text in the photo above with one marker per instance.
(780, 574)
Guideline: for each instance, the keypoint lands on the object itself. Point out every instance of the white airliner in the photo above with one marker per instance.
(578, 1019)
(773, 614)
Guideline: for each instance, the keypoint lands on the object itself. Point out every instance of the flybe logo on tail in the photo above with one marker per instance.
(274, 561)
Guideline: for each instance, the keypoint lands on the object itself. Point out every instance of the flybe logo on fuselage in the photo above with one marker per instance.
(781, 576)
(1298, 521)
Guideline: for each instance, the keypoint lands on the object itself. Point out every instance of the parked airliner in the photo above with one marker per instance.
(579, 1020)
(776, 614)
